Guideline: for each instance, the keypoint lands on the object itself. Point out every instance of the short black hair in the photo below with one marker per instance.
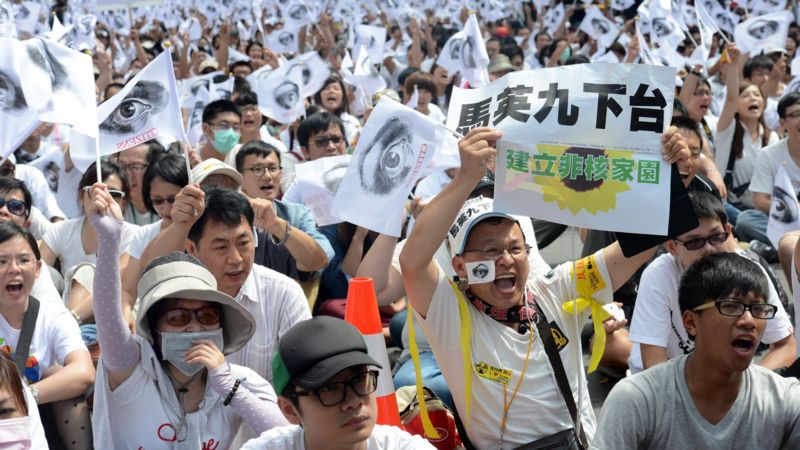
(107, 168)
(678, 108)
(317, 123)
(9, 230)
(720, 275)
(788, 100)
(170, 168)
(689, 124)
(757, 62)
(217, 107)
(708, 206)
(258, 148)
(8, 184)
(225, 206)
(246, 98)
(240, 63)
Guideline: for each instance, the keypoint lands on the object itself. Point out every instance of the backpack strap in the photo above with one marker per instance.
(26, 334)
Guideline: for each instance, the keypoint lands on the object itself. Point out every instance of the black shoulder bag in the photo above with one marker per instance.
(26, 334)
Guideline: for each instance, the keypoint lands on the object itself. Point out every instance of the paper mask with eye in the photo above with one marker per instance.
(146, 99)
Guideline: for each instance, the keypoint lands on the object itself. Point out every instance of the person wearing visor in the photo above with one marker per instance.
(327, 383)
(170, 385)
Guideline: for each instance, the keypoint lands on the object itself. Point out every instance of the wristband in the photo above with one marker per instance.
(285, 236)
(229, 398)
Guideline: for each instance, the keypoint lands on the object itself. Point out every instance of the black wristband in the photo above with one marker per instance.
(229, 398)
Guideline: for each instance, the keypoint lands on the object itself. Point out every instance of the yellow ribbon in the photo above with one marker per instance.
(587, 282)
(427, 425)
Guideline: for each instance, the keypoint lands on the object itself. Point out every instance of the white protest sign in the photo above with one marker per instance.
(394, 148)
(553, 18)
(596, 25)
(450, 56)
(279, 93)
(763, 32)
(26, 16)
(316, 183)
(17, 115)
(474, 58)
(560, 125)
(783, 210)
(296, 14)
(146, 108)
(7, 26)
(667, 31)
(370, 39)
(284, 40)
(103, 5)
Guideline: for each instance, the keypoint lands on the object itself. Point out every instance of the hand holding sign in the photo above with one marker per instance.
(476, 149)
(675, 148)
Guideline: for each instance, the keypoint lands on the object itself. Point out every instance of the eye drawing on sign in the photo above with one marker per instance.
(480, 271)
(455, 49)
(286, 95)
(661, 27)
(724, 21)
(784, 206)
(286, 38)
(40, 55)
(5, 14)
(332, 178)
(21, 12)
(600, 26)
(85, 25)
(197, 114)
(51, 174)
(203, 82)
(388, 159)
(367, 40)
(146, 99)
(119, 22)
(12, 99)
(298, 12)
(467, 58)
(762, 29)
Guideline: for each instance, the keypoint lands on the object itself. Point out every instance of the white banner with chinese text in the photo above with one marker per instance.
(581, 144)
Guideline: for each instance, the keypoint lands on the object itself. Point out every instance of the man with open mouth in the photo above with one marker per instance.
(713, 397)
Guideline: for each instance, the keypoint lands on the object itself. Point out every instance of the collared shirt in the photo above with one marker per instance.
(277, 303)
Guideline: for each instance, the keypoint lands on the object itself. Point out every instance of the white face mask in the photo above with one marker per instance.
(175, 345)
(14, 434)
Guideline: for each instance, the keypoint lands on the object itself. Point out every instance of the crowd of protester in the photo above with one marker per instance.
(159, 313)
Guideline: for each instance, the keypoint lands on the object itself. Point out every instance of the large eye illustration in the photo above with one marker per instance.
(286, 95)
(467, 59)
(455, 49)
(146, 99)
(333, 177)
(784, 206)
(286, 39)
(11, 97)
(384, 166)
(297, 12)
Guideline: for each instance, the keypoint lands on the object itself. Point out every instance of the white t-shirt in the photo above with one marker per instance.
(796, 300)
(657, 317)
(382, 437)
(64, 239)
(743, 167)
(769, 159)
(55, 336)
(143, 236)
(143, 412)
(538, 409)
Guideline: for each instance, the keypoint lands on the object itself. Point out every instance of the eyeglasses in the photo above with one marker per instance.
(324, 141)
(698, 243)
(115, 194)
(15, 207)
(703, 93)
(224, 126)
(180, 317)
(22, 261)
(134, 167)
(259, 169)
(733, 308)
(250, 109)
(493, 253)
(334, 392)
(160, 201)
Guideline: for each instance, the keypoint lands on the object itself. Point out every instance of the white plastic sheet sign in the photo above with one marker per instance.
(280, 93)
(763, 32)
(395, 146)
(316, 183)
(370, 39)
(17, 115)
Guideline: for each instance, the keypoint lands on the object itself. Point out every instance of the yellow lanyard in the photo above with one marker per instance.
(507, 406)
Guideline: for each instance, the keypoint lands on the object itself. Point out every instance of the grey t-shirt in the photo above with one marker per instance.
(654, 410)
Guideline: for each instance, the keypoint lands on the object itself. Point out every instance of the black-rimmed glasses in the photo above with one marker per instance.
(334, 392)
(733, 308)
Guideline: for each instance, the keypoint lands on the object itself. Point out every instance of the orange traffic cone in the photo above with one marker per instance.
(362, 312)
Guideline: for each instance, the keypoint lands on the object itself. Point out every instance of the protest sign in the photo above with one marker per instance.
(7, 25)
(395, 146)
(146, 108)
(763, 32)
(593, 160)
(370, 39)
(284, 40)
(103, 5)
(596, 25)
(783, 210)
(280, 91)
(316, 183)
(26, 16)
(17, 115)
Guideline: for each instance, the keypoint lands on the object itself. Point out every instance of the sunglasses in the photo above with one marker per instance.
(115, 194)
(15, 207)
(323, 141)
(698, 243)
(180, 317)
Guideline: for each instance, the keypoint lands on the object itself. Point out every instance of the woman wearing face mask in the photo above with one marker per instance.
(171, 383)
(57, 365)
(20, 425)
(74, 241)
(333, 98)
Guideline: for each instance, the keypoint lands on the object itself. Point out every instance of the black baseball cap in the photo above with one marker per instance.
(486, 182)
(315, 350)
